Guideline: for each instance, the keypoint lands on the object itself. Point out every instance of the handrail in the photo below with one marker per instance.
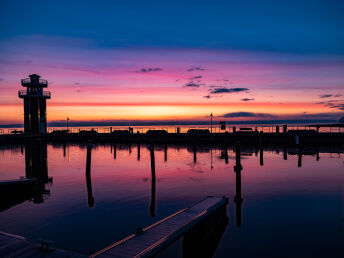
(40, 81)
(23, 93)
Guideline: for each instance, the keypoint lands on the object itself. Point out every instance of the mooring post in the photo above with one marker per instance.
(284, 129)
(165, 152)
(114, 151)
(285, 153)
(261, 156)
(226, 154)
(64, 149)
(152, 203)
(238, 198)
(88, 176)
(277, 129)
(138, 151)
(299, 160)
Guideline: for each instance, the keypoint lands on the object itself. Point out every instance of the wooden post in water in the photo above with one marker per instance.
(194, 154)
(285, 153)
(261, 156)
(88, 176)
(238, 198)
(114, 151)
(64, 149)
(138, 151)
(226, 154)
(299, 160)
(152, 203)
(165, 152)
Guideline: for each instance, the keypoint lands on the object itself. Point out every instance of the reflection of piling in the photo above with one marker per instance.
(165, 152)
(238, 198)
(318, 155)
(64, 150)
(114, 151)
(261, 156)
(299, 160)
(226, 154)
(152, 204)
(88, 176)
(194, 154)
(138, 151)
(22, 149)
(129, 148)
(285, 153)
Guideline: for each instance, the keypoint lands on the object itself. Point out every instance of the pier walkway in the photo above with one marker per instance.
(151, 240)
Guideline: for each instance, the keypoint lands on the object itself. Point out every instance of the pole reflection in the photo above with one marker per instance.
(238, 198)
(88, 177)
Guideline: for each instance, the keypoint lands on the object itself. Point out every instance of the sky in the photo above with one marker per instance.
(175, 60)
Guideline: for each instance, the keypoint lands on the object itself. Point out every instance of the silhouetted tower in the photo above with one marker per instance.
(35, 106)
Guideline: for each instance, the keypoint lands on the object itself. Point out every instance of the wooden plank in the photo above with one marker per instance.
(159, 235)
(18, 246)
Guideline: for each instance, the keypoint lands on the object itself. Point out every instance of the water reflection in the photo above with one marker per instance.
(152, 202)
(88, 176)
(36, 167)
(33, 187)
(126, 192)
(238, 198)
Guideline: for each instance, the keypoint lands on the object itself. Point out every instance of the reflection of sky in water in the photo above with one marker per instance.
(287, 211)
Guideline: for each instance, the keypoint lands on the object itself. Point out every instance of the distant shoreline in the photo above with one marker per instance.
(173, 123)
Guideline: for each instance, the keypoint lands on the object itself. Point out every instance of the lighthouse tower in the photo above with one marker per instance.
(35, 104)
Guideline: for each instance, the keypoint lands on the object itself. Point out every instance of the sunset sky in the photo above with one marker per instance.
(175, 60)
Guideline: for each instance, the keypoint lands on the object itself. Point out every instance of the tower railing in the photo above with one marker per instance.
(25, 93)
(40, 82)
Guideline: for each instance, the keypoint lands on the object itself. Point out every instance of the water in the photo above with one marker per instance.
(287, 211)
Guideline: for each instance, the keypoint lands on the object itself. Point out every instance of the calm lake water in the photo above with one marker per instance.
(287, 210)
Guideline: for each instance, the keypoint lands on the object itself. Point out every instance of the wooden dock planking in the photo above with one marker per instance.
(18, 246)
(159, 235)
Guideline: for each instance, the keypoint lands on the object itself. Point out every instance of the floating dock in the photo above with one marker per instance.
(13, 192)
(18, 246)
(153, 239)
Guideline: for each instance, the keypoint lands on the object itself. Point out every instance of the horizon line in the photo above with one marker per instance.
(160, 123)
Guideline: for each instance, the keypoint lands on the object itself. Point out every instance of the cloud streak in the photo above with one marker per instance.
(247, 114)
(192, 85)
(148, 70)
(197, 68)
(324, 96)
(221, 90)
(336, 104)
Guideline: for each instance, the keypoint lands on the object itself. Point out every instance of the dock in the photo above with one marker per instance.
(18, 246)
(153, 239)
(19, 191)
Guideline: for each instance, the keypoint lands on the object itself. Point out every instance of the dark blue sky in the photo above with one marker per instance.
(310, 27)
